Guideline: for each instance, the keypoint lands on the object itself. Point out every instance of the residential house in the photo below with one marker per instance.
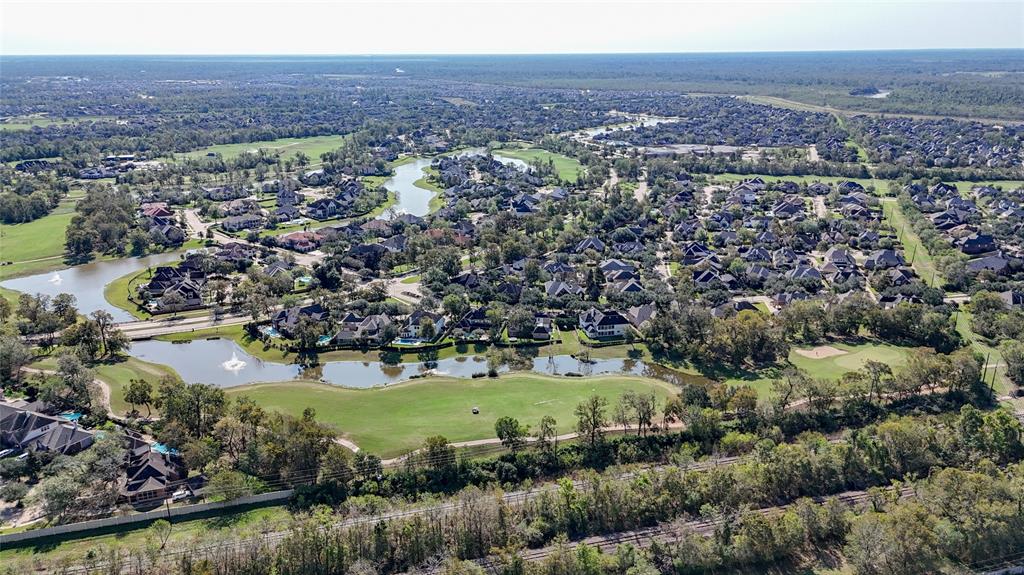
(287, 320)
(356, 330)
(243, 222)
(21, 428)
(603, 324)
(413, 327)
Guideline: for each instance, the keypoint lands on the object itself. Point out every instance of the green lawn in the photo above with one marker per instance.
(28, 122)
(313, 147)
(396, 419)
(183, 534)
(567, 168)
(117, 292)
(116, 374)
(881, 185)
(857, 355)
(236, 333)
(36, 246)
(922, 262)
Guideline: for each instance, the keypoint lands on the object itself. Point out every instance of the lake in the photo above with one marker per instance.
(411, 198)
(223, 363)
(86, 282)
(415, 200)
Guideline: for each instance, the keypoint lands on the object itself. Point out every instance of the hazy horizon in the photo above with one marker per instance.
(507, 27)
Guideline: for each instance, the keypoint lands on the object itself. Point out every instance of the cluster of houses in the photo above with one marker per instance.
(942, 143)
(148, 475)
(110, 167)
(353, 330)
(788, 242)
(186, 280)
(731, 121)
(159, 221)
(244, 212)
(983, 227)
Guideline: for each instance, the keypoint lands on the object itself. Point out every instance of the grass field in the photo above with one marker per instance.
(881, 185)
(198, 531)
(29, 122)
(117, 374)
(35, 246)
(567, 168)
(313, 147)
(117, 291)
(857, 355)
(922, 262)
(394, 420)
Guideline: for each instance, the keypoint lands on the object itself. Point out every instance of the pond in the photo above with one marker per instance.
(411, 198)
(223, 363)
(86, 282)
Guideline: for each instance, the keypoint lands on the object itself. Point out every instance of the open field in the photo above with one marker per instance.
(396, 419)
(567, 168)
(29, 122)
(881, 185)
(200, 531)
(854, 358)
(922, 261)
(313, 147)
(32, 245)
(117, 374)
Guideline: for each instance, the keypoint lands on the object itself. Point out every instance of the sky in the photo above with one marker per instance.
(501, 26)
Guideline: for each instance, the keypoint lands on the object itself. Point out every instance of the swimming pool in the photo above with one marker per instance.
(71, 416)
(162, 448)
(408, 341)
(269, 331)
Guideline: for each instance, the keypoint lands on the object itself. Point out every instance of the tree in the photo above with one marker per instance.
(427, 329)
(438, 453)
(117, 341)
(173, 301)
(547, 431)
(104, 323)
(643, 407)
(1013, 355)
(229, 485)
(139, 392)
(161, 531)
(510, 432)
(14, 355)
(590, 419)
(336, 465)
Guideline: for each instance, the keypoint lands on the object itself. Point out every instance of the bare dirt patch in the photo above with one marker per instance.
(821, 352)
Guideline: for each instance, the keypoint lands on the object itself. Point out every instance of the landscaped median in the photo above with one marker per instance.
(393, 420)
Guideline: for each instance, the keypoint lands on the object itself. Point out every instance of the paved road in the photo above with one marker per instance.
(150, 328)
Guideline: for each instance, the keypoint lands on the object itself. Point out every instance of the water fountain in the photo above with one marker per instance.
(234, 364)
(55, 279)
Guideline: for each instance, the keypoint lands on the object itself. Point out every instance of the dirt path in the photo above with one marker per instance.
(102, 385)
(640, 192)
(820, 209)
(352, 446)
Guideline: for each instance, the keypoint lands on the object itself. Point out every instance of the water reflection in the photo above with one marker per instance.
(205, 361)
(86, 282)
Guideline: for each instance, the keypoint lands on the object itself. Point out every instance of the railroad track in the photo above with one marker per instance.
(274, 538)
(665, 533)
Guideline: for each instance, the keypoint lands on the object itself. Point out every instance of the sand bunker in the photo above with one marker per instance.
(821, 352)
